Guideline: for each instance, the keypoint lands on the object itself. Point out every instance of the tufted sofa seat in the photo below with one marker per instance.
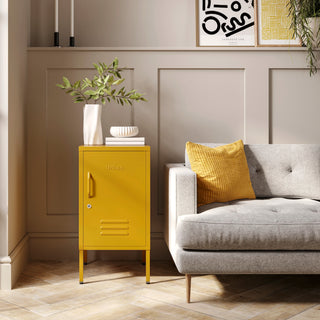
(263, 224)
(279, 232)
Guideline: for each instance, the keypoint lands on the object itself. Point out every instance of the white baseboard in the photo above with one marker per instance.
(5, 273)
(64, 246)
(19, 259)
(11, 266)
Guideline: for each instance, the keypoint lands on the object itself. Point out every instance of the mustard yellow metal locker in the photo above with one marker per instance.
(114, 200)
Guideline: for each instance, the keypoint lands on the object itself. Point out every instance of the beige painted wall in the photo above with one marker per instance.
(17, 63)
(14, 34)
(198, 94)
(212, 94)
(18, 43)
(111, 23)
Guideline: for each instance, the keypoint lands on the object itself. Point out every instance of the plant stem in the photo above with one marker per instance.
(82, 95)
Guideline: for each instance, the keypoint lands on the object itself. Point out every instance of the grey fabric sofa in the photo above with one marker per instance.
(277, 233)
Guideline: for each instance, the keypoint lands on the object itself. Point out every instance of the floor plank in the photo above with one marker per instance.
(117, 290)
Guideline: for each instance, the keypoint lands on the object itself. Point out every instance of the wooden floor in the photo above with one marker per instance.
(117, 290)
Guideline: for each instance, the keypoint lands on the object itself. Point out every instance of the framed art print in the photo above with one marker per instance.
(273, 24)
(225, 23)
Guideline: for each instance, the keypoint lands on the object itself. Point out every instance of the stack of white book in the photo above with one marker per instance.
(130, 141)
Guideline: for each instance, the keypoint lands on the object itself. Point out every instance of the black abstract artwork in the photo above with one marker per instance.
(223, 22)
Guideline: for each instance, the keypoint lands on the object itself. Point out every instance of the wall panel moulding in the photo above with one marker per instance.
(195, 94)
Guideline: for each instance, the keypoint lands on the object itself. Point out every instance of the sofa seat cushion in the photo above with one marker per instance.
(261, 224)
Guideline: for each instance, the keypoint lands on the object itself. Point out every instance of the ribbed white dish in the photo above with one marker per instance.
(121, 132)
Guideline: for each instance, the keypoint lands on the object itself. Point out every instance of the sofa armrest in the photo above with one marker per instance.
(181, 199)
(181, 189)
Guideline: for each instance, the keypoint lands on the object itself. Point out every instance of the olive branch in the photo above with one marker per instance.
(102, 88)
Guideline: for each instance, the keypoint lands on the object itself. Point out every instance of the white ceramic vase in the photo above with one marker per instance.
(92, 130)
(314, 24)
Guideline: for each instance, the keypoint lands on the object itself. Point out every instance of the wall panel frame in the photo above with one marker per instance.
(149, 66)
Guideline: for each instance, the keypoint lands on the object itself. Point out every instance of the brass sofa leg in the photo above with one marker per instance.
(188, 286)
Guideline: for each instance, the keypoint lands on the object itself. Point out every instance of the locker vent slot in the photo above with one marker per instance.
(115, 227)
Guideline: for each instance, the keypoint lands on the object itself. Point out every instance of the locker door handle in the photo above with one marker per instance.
(89, 186)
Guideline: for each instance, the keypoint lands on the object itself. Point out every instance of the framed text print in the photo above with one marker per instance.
(225, 23)
(273, 24)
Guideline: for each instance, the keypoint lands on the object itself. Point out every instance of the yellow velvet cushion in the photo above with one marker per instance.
(222, 172)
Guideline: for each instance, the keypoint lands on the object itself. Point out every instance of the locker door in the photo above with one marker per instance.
(114, 199)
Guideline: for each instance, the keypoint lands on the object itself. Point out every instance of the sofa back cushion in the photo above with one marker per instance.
(282, 170)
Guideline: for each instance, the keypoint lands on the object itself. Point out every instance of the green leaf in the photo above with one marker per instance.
(133, 96)
(66, 82)
(60, 86)
(131, 91)
(117, 82)
(115, 63)
(78, 99)
(106, 79)
(76, 85)
(108, 92)
(90, 92)
(89, 82)
(94, 82)
(111, 79)
(84, 85)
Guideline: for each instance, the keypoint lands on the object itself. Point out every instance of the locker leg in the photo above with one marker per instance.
(81, 266)
(143, 257)
(148, 266)
(85, 257)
